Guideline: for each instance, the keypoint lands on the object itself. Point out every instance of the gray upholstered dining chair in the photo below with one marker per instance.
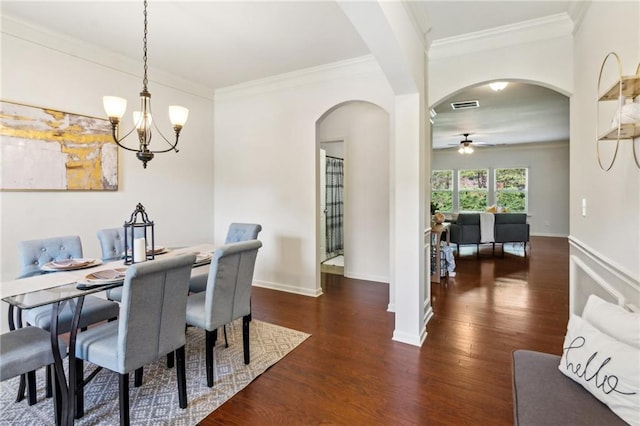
(111, 243)
(242, 232)
(151, 324)
(112, 247)
(23, 351)
(236, 232)
(227, 296)
(33, 255)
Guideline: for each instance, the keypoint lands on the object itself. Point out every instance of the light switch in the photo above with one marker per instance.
(584, 207)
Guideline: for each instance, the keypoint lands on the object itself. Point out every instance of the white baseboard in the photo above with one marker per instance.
(288, 288)
(410, 339)
(366, 277)
(545, 234)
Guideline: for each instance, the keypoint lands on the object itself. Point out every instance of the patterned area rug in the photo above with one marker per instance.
(156, 401)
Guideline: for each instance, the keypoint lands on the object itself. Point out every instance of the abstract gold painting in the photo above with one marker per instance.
(45, 149)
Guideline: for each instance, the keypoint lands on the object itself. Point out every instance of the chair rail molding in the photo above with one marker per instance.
(592, 273)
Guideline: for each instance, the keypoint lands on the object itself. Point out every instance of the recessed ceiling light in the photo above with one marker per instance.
(498, 85)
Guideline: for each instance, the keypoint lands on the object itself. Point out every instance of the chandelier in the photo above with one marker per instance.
(115, 108)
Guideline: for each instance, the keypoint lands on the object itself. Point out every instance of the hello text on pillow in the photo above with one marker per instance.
(604, 366)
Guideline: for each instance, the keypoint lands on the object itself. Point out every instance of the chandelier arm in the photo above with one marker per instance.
(172, 146)
(114, 130)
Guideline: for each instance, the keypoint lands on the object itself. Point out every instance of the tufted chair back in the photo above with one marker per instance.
(33, 254)
(111, 243)
(228, 293)
(242, 232)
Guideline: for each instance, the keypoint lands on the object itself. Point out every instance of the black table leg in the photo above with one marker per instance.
(62, 407)
(67, 388)
(71, 391)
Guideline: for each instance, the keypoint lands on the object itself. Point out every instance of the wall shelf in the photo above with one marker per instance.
(625, 89)
(627, 131)
(630, 88)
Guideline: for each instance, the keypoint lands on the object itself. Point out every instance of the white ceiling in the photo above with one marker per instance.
(212, 43)
(521, 113)
(220, 43)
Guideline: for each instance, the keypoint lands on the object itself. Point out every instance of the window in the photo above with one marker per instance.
(511, 189)
(473, 189)
(442, 189)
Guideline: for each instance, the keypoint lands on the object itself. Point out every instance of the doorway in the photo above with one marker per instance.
(358, 132)
(332, 199)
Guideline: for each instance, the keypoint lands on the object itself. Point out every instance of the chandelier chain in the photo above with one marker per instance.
(144, 49)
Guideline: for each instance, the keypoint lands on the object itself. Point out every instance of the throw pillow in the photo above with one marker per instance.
(604, 366)
(613, 320)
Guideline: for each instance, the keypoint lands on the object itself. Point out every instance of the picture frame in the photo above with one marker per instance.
(43, 149)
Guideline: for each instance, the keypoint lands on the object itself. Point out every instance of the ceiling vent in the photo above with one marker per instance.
(465, 104)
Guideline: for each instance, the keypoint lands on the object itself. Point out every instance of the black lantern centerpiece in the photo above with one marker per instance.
(138, 237)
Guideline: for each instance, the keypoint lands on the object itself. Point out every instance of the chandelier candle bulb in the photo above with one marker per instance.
(140, 121)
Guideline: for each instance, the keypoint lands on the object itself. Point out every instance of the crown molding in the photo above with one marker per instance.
(94, 54)
(419, 21)
(577, 10)
(549, 27)
(360, 66)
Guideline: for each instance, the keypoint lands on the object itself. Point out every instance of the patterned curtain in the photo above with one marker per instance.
(335, 204)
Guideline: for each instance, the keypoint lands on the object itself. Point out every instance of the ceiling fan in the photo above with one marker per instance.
(466, 145)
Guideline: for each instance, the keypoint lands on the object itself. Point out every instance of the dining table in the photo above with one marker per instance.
(70, 286)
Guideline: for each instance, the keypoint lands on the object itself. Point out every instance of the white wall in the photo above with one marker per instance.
(365, 129)
(265, 162)
(176, 189)
(545, 59)
(605, 242)
(548, 178)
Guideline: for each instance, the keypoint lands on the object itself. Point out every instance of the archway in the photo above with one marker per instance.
(363, 130)
(524, 125)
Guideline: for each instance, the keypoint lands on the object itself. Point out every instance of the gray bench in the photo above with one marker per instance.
(542, 395)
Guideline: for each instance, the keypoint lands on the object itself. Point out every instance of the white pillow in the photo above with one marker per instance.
(607, 368)
(613, 320)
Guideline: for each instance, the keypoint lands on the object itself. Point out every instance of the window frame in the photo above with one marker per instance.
(451, 190)
(524, 191)
(460, 189)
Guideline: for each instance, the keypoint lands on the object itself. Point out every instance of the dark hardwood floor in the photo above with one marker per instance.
(351, 372)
